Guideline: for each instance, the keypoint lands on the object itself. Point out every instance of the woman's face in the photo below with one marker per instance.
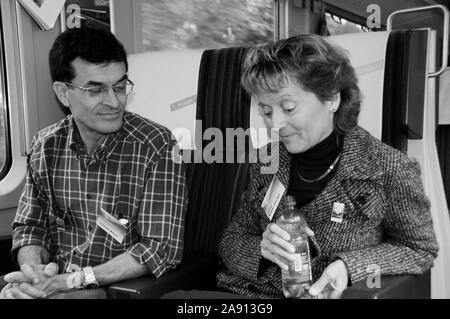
(302, 119)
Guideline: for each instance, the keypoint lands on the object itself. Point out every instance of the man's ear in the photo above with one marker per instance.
(62, 92)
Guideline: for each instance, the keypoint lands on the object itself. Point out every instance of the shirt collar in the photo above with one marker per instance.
(103, 151)
(360, 156)
(75, 141)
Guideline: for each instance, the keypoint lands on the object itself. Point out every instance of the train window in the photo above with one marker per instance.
(198, 24)
(5, 154)
(337, 25)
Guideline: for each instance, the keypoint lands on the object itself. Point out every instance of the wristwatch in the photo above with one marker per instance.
(89, 279)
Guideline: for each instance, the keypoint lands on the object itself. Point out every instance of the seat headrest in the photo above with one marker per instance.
(165, 90)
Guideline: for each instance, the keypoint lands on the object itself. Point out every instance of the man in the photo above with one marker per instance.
(103, 201)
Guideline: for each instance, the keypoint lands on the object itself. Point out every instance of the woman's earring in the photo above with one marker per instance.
(333, 109)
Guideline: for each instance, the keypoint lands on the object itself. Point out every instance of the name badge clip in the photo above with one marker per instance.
(337, 213)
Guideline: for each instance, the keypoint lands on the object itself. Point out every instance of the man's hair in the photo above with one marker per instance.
(92, 45)
(315, 64)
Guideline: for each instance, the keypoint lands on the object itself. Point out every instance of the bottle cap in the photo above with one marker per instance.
(289, 200)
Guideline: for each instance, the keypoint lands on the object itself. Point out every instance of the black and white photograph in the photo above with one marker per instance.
(225, 157)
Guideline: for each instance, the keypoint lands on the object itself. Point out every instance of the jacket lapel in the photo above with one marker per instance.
(277, 157)
(360, 157)
(359, 162)
(357, 171)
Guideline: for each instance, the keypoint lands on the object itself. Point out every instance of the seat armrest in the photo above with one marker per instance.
(393, 287)
(197, 271)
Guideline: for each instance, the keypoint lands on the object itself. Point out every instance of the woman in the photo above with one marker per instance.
(306, 88)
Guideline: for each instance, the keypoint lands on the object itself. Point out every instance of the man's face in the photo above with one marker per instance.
(97, 113)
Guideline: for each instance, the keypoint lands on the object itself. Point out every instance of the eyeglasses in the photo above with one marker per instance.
(121, 89)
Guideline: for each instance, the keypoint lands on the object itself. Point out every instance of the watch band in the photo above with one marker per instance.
(90, 282)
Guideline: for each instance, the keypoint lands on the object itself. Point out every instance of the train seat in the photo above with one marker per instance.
(165, 89)
(386, 76)
(398, 107)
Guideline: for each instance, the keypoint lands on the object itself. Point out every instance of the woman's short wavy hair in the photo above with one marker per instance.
(316, 65)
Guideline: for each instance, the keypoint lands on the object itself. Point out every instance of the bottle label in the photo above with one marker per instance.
(298, 266)
(301, 264)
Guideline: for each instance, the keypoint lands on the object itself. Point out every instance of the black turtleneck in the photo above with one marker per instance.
(311, 164)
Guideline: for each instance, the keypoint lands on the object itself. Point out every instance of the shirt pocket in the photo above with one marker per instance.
(128, 216)
(58, 228)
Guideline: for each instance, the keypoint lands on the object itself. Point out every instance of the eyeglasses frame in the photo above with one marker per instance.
(88, 89)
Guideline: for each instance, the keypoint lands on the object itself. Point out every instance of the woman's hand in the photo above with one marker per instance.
(275, 245)
(332, 283)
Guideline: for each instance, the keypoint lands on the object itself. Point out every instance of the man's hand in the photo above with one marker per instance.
(275, 245)
(24, 284)
(60, 283)
(332, 283)
(32, 273)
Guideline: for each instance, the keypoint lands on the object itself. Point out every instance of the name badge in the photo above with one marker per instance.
(272, 199)
(111, 226)
(337, 213)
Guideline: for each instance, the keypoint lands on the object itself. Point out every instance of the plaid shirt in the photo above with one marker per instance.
(132, 176)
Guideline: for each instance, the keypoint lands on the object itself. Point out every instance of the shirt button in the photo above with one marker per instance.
(88, 196)
(361, 199)
(90, 227)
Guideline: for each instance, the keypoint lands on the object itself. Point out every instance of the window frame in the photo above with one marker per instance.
(361, 26)
(6, 166)
(351, 17)
(341, 13)
(13, 29)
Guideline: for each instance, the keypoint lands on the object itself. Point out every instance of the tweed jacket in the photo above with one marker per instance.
(386, 223)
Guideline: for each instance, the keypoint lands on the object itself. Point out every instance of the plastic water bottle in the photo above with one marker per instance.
(298, 279)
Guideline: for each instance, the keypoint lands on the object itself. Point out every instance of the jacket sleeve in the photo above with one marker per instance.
(409, 245)
(239, 247)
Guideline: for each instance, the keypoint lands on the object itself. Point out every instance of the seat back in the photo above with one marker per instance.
(216, 188)
(190, 92)
(165, 90)
(425, 151)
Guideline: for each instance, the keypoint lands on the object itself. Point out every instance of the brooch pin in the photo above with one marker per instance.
(337, 213)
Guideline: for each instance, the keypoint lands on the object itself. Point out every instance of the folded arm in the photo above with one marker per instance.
(410, 244)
